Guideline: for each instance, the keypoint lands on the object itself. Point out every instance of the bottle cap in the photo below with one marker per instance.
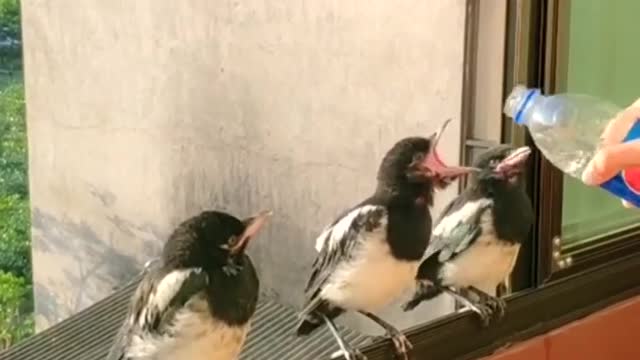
(517, 102)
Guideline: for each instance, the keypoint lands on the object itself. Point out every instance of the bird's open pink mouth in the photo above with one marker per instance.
(514, 163)
(438, 169)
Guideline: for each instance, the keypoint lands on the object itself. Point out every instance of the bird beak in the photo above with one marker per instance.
(515, 161)
(435, 167)
(253, 226)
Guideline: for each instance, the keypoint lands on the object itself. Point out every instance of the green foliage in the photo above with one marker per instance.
(13, 145)
(16, 298)
(10, 16)
(16, 321)
(14, 236)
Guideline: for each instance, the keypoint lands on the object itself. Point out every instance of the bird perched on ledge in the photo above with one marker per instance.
(196, 302)
(369, 255)
(476, 240)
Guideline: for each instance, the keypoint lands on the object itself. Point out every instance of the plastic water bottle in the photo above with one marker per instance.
(567, 130)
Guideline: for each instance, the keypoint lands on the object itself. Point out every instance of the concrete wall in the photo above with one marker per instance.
(141, 113)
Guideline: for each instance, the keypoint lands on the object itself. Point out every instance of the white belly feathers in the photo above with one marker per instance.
(196, 337)
(485, 264)
(372, 279)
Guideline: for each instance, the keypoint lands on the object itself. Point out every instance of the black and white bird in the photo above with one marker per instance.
(476, 240)
(196, 302)
(369, 255)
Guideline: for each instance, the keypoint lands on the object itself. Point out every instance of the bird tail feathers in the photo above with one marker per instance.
(308, 324)
(312, 317)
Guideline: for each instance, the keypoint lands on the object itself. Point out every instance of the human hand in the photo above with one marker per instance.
(615, 156)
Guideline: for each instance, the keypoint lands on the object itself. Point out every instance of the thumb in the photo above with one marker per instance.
(610, 160)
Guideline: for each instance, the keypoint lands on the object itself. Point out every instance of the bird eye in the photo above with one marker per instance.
(231, 242)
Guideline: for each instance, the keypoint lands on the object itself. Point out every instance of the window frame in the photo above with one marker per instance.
(554, 261)
(550, 295)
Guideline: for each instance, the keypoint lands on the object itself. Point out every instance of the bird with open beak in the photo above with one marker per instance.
(196, 302)
(370, 254)
(476, 240)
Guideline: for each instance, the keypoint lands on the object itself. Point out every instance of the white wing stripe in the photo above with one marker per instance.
(450, 221)
(167, 289)
(339, 230)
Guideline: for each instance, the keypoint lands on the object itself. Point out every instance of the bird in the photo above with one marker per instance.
(370, 253)
(476, 239)
(197, 300)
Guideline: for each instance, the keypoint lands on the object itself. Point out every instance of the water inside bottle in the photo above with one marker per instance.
(568, 145)
(565, 127)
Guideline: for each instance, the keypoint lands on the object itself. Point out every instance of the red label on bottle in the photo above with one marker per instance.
(631, 178)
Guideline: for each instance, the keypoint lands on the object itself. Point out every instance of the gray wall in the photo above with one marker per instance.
(141, 113)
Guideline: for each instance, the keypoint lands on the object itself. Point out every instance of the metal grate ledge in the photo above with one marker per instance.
(88, 334)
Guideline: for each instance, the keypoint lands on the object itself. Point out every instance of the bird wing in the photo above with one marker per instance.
(153, 306)
(457, 228)
(337, 242)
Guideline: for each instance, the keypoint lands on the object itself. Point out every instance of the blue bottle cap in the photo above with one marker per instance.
(518, 101)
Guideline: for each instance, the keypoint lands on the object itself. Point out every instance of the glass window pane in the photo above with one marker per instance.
(601, 60)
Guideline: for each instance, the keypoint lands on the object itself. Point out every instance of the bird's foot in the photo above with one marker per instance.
(495, 305)
(349, 354)
(473, 303)
(346, 351)
(498, 306)
(401, 344)
(484, 312)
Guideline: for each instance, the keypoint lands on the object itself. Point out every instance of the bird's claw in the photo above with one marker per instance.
(498, 306)
(495, 305)
(402, 345)
(489, 307)
(485, 314)
(351, 354)
(493, 308)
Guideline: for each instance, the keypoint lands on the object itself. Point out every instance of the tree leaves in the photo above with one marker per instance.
(13, 141)
(15, 250)
(16, 321)
(10, 17)
(16, 296)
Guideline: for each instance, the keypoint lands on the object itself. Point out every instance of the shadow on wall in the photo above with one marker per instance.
(83, 260)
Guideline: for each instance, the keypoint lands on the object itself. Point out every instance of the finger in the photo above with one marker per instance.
(610, 160)
(618, 127)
